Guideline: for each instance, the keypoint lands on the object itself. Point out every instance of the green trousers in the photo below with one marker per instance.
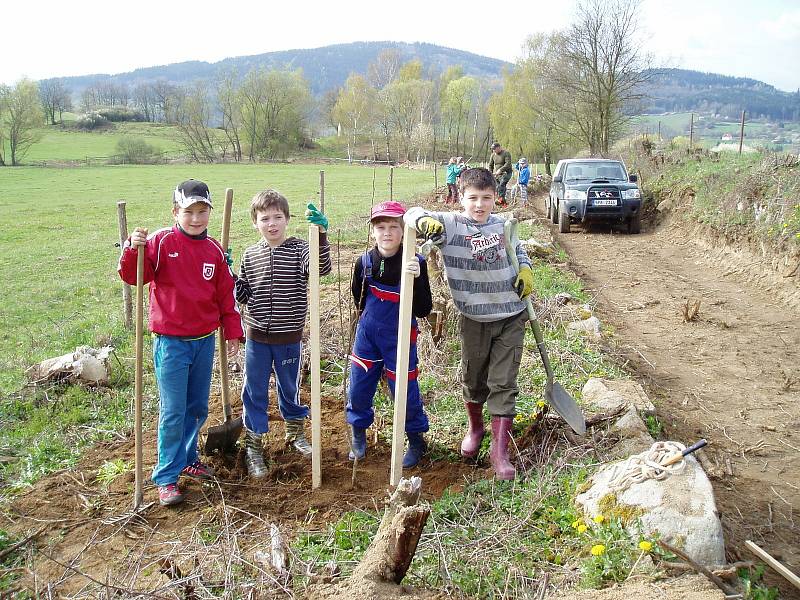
(490, 358)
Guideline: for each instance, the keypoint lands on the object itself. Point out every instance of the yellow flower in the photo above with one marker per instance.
(598, 549)
(599, 519)
(541, 404)
(582, 528)
(645, 546)
(575, 524)
(518, 419)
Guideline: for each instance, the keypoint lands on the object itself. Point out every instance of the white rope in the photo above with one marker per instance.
(647, 465)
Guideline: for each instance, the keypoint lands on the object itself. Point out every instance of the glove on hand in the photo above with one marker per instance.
(229, 257)
(412, 267)
(524, 282)
(429, 227)
(315, 217)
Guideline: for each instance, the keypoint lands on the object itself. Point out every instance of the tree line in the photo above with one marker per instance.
(569, 90)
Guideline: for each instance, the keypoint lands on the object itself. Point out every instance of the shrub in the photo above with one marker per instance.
(91, 120)
(117, 114)
(135, 151)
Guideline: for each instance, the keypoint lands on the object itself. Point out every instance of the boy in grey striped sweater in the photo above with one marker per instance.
(489, 295)
(273, 287)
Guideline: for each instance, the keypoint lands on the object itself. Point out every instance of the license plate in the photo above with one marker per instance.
(605, 202)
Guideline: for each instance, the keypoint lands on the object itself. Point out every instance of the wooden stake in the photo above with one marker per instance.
(137, 404)
(391, 183)
(127, 304)
(691, 132)
(316, 408)
(772, 562)
(403, 349)
(222, 344)
(741, 134)
(322, 191)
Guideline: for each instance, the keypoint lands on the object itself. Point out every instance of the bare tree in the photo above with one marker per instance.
(354, 109)
(55, 98)
(385, 69)
(144, 99)
(599, 70)
(193, 115)
(231, 113)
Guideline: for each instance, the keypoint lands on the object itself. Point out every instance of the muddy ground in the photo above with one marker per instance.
(730, 375)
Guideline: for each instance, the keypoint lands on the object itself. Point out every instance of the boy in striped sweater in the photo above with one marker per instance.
(489, 295)
(273, 286)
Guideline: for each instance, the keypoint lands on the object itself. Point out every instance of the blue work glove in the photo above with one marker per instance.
(315, 217)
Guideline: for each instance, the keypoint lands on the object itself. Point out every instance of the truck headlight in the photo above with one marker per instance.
(574, 195)
(633, 194)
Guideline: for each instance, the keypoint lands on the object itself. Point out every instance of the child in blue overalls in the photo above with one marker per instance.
(376, 291)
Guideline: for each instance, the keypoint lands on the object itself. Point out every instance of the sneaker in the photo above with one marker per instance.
(198, 470)
(169, 495)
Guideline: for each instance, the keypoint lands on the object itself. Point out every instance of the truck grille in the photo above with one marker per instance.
(605, 197)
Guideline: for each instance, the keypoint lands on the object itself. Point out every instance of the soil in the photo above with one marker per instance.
(730, 375)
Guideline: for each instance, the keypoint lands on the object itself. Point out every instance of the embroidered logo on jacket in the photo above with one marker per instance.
(208, 271)
(485, 248)
(173, 255)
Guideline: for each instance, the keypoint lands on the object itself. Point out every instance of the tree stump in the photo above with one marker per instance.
(390, 554)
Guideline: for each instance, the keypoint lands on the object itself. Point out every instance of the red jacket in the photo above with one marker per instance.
(191, 286)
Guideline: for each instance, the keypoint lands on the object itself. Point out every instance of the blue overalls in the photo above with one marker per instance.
(375, 350)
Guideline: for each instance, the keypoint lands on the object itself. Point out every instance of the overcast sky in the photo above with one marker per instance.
(747, 38)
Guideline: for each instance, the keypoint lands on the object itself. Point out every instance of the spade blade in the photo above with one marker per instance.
(566, 407)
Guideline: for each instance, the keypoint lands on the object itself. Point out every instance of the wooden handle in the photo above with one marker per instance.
(774, 563)
(403, 350)
(222, 344)
(316, 406)
(137, 406)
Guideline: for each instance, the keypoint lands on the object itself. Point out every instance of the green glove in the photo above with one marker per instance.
(315, 217)
(429, 227)
(524, 282)
(229, 257)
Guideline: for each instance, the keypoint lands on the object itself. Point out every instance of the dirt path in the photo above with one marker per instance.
(731, 375)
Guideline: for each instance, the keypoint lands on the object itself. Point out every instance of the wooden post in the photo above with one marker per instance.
(391, 183)
(741, 135)
(403, 349)
(659, 131)
(127, 305)
(772, 562)
(137, 379)
(316, 408)
(222, 344)
(322, 191)
(691, 132)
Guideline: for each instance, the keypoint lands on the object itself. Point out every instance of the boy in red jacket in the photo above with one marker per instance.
(191, 295)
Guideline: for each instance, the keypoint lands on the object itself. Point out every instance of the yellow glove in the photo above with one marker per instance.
(429, 227)
(524, 282)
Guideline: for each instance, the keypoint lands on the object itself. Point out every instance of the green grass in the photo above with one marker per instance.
(58, 144)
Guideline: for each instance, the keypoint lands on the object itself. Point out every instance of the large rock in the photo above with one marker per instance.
(608, 395)
(590, 326)
(85, 365)
(680, 508)
(632, 433)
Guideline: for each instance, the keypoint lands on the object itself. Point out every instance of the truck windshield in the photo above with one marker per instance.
(589, 171)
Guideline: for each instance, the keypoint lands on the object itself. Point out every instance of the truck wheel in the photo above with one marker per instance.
(563, 221)
(553, 211)
(549, 206)
(635, 223)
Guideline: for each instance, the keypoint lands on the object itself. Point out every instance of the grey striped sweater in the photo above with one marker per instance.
(273, 284)
(480, 276)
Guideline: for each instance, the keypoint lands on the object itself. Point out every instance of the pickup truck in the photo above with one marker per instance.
(586, 190)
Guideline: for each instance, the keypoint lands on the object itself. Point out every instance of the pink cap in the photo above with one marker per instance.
(387, 209)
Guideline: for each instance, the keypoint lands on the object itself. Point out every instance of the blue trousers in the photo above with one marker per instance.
(260, 361)
(183, 371)
(375, 350)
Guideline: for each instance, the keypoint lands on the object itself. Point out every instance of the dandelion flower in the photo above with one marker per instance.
(599, 519)
(645, 546)
(518, 419)
(598, 550)
(582, 528)
(541, 404)
(575, 524)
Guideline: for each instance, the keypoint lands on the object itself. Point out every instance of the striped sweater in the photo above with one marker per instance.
(480, 276)
(273, 285)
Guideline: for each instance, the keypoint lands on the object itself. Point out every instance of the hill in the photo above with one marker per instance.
(325, 68)
(681, 90)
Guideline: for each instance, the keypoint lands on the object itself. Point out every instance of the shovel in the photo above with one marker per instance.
(555, 395)
(224, 437)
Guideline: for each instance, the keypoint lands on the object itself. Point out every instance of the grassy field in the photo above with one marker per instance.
(58, 229)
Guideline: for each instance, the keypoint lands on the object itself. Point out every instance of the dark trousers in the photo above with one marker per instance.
(502, 182)
(490, 357)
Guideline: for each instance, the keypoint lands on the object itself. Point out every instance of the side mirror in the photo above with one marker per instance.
(633, 178)
(557, 179)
